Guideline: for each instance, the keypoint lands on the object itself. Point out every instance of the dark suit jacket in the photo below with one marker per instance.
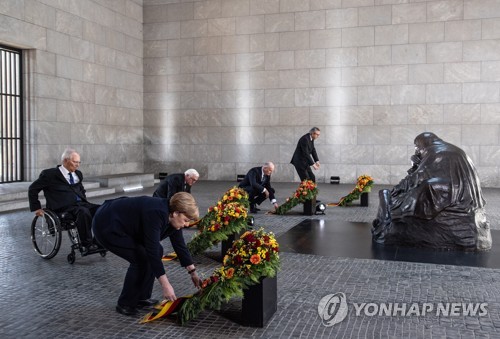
(253, 183)
(302, 155)
(129, 222)
(56, 189)
(172, 184)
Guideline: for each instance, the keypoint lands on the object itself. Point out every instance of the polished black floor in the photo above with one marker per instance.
(353, 240)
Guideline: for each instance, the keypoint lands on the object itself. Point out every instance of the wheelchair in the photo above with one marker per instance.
(46, 236)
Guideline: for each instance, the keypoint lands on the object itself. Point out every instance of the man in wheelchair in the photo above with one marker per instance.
(63, 189)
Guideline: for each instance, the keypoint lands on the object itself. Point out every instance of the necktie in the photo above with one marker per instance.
(72, 182)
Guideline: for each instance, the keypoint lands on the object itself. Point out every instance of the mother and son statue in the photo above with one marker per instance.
(439, 204)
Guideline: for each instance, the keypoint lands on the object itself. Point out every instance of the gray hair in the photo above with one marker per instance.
(269, 164)
(192, 173)
(314, 129)
(67, 154)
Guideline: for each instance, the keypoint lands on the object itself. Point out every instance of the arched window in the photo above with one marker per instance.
(11, 119)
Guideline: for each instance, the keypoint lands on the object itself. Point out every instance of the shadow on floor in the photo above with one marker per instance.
(354, 240)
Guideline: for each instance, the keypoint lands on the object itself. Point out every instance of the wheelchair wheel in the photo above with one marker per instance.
(45, 235)
(71, 258)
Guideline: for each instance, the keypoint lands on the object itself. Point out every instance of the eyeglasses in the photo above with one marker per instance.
(76, 162)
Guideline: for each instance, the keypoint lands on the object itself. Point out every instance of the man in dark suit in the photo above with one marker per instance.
(257, 183)
(178, 182)
(305, 155)
(64, 192)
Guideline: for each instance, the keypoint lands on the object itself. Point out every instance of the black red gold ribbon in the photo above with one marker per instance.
(169, 257)
(165, 309)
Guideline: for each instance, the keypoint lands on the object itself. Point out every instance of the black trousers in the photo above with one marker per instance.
(259, 197)
(139, 279)
(82, 212)
(305, 173)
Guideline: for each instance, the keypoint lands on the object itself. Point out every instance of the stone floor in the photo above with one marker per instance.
(53, 299)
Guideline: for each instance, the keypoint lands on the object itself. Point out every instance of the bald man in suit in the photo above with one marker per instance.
(257, 183)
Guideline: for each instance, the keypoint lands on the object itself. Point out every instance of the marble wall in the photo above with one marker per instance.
(229, 84)
(83, 64)
(223, 85)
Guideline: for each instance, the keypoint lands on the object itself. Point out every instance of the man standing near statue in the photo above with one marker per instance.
(305, 155)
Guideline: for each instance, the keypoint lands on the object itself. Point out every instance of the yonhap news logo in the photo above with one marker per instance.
(333, 309)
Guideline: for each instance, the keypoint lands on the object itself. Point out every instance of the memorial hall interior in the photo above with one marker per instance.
(144, 87)
(221, 86)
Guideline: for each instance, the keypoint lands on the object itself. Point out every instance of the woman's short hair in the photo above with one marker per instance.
(184, 202)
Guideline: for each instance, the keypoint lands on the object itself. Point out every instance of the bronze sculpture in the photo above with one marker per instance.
(439, 204)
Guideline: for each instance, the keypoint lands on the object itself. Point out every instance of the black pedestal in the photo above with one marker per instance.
(226, 244)
(364, 199)
(310, 206)
(260, 302)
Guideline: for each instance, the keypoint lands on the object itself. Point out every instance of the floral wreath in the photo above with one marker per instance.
(363, 185)
(253, 256)
(228, 216)
(306, 191)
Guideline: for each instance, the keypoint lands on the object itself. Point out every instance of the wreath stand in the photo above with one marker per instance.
(364, 199)
(260, 302)
(310, 206)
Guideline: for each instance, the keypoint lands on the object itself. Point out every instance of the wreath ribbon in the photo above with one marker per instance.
(165, 309)
(169, 257)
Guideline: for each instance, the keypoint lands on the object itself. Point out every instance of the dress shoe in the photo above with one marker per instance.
(126, 310)
(93, 247)
(147, 302)
(253, 209)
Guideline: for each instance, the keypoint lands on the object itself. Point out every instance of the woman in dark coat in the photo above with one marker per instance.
(133, 228)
